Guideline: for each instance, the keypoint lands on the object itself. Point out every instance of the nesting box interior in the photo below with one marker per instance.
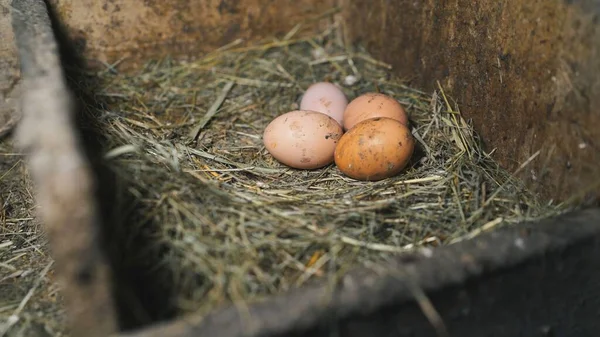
(524, 72)
(182, 223)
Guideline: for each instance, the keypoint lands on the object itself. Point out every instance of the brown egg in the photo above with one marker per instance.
(302, 139)
(371, 105)
(374, 149)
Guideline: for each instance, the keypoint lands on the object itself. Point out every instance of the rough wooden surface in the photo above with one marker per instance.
(560, 297)
(526, 72)
(109, 30)
(371, 291)
(65, 187)
(9, 72)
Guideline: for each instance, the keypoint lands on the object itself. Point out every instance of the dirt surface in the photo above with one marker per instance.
(524, 71)
(111, 30)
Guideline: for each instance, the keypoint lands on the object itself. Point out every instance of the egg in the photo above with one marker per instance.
(371, 105)
(374, 149)
(326, 98)
(302, 139)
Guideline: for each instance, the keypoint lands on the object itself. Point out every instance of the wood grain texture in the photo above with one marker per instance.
(109, 30)
(526, 72)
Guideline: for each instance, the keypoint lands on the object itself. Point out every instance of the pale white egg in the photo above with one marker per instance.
(327, 98)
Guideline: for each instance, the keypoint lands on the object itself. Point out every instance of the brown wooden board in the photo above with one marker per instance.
(110, 30)
(526, 72)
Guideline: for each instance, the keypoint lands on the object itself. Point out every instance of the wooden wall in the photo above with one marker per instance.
(527, 72)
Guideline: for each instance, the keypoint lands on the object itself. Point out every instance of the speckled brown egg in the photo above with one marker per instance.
(374, 149)
(371, 105)
(302, 139)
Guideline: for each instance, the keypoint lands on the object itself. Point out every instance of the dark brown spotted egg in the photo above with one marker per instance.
(375, 149)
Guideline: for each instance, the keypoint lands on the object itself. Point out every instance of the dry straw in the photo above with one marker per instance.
(229, 223)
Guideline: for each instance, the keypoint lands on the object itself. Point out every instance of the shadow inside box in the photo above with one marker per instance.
(142, 296)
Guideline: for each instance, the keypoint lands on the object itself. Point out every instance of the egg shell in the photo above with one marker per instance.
(302, 139)
(326, 98)
(371, 105)
(374, 149)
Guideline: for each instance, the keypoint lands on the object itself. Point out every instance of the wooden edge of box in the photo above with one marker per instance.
(64, 183)
(367, 290)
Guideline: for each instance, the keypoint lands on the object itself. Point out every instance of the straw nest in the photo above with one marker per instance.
(229, 223)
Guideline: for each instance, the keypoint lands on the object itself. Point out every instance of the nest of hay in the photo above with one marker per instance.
(229, 223)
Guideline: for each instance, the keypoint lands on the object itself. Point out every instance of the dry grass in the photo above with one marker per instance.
(29, 299)
(232, 224)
